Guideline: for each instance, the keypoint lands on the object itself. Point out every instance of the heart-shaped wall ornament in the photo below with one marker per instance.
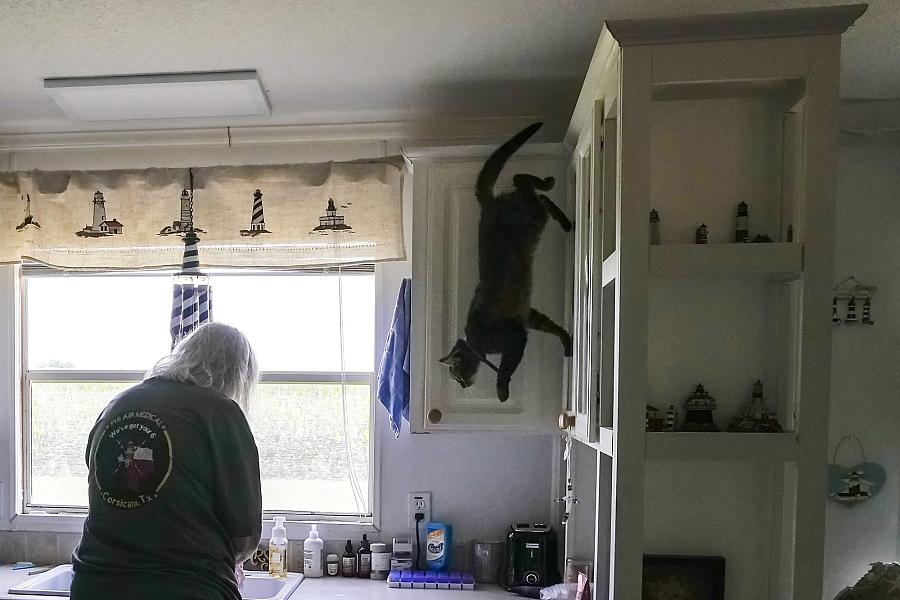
(855, 484)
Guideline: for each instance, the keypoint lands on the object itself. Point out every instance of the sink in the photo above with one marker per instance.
(257, 586)
(54, 582)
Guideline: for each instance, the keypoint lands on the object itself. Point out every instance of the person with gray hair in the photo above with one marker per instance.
(174, 484)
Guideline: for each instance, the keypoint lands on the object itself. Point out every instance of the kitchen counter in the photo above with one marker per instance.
(318, 589)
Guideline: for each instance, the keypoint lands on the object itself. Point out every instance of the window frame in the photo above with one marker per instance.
(26, 509)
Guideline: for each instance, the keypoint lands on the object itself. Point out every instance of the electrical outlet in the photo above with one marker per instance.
(419, 502)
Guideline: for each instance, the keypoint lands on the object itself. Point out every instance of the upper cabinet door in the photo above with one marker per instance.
(446, 219)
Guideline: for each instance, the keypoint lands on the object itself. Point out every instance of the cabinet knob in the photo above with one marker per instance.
(566, 421)
(434, 416)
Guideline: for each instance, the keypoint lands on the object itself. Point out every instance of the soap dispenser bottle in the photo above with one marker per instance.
(278, 550)
(313, 550)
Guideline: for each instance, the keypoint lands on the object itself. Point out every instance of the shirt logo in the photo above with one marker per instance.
(132, 460)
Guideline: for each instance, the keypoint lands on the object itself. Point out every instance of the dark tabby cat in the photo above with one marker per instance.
(500, 314)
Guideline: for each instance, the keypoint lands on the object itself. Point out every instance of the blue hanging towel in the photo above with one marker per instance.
(393, 374)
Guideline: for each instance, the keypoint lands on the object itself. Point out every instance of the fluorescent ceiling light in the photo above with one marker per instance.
(163, 96)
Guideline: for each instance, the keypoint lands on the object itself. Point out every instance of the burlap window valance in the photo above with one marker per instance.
(304, 215)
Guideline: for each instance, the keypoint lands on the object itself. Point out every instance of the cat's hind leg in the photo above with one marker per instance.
(515, 349)
(524, 180)
(541, 322)
(556, 212)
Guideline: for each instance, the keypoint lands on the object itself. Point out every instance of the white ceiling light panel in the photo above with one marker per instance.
(162, 96)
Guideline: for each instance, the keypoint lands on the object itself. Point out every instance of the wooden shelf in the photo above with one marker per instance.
(686, 446)
(725, 259)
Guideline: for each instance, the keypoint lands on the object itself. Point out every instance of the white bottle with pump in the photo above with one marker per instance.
(278, 550)
(313, 554)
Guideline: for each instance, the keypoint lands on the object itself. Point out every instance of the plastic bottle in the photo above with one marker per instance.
(348, 561)
(560, 591)
(313, 553)
(381, 561)
(278, 550)
(364, 559)
(332, 565)
(437, 546)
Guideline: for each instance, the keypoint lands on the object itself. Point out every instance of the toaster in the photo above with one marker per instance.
(530, 557)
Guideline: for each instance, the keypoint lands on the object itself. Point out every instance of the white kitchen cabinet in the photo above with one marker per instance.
(445, 273)
(691, 116)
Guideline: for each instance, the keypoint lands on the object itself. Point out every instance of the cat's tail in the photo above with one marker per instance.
(484, 187)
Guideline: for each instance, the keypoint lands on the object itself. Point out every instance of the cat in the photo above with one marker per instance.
(500, 313)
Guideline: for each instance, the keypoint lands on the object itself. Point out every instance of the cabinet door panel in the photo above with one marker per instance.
(450, 273)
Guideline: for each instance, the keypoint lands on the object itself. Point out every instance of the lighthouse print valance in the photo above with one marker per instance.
(275, 216)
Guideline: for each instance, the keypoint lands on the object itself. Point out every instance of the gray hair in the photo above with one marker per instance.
(214, 356)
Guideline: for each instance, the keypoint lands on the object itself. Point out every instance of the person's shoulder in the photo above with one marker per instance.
(190, 395)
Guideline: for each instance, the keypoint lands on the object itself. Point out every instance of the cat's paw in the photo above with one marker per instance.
(549, 182)
(502, 391)
(567, 346)
(567, 225)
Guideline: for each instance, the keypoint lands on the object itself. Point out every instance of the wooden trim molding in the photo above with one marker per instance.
(758, 24)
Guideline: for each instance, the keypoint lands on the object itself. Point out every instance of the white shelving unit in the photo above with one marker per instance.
(691, 116)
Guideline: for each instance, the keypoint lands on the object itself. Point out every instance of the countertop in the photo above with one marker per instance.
(318, 589)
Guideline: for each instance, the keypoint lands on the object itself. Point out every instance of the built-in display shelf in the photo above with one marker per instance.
(775, 259)
(722, 446)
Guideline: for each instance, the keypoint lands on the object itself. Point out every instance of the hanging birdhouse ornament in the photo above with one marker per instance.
(856, 483)
(852, 291)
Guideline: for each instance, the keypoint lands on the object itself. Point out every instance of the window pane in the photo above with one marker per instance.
(300, 434)
(293, 321)
(58, 471)
(98, 323)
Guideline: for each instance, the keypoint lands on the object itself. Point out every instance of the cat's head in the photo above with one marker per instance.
(463, 363)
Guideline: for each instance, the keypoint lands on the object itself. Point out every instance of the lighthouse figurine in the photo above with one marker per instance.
(654, 228)
(867, 313)
(702, 235)
(742, 224)
(851, 311)
(257, 220)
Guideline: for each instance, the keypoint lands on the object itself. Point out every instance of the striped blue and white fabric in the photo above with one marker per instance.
(191, 293)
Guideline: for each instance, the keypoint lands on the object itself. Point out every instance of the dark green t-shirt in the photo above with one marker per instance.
(174, 479)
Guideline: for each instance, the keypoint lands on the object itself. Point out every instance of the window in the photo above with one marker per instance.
(88, 337)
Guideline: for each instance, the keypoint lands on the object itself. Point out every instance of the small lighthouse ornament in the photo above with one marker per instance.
(702, 235)
(654, 228)
(835, 319)
(851, 311)
(742, 224)
(257, 220)
(867, 313)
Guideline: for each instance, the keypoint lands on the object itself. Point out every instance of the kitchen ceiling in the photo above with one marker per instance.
(352, 61)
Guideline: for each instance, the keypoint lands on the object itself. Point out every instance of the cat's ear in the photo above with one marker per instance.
(453, 358)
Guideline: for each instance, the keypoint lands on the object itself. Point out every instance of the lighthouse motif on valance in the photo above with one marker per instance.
(191, 293)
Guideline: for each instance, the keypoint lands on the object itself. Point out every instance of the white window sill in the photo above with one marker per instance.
(55, 523)
(296, 530)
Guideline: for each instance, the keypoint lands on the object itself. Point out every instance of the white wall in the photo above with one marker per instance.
(479, 482)
(865, 384)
